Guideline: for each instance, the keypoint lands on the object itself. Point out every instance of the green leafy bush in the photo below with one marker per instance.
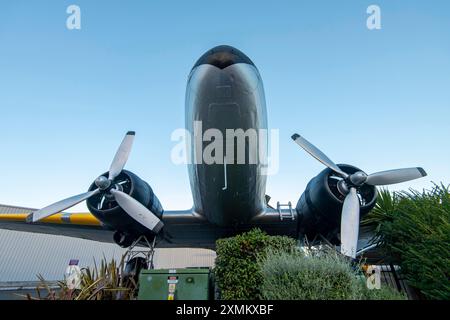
(323, 275)
(414, 230)
(384, 293)
(237, 272)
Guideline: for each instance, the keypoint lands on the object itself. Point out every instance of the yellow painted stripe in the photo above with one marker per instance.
(85, 219)
(13, 216)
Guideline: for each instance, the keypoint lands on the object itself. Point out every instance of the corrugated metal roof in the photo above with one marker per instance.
(24, 255)
(14, 209)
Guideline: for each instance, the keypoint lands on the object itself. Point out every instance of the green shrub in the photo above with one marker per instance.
(414, 230)
(384, 293)
(325, 275)
(237, 273)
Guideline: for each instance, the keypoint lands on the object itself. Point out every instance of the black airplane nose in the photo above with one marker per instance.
(222, 57)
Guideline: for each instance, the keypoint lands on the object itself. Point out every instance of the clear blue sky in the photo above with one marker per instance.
(375, 99)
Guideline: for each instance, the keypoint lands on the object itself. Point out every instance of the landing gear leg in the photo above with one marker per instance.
(137, 259)
(146, 254)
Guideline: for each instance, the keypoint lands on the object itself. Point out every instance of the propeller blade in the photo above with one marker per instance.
(316, 153)
(350, 224)
(395, 176)
(137, 211)
(60, 206)
(121, 157)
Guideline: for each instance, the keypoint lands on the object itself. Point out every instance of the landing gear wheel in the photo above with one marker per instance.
(132, 270)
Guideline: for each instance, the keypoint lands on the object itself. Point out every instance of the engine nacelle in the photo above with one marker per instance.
(319, 207)
(106, 209)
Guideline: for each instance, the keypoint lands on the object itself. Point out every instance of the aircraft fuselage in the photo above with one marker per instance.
(225, 98)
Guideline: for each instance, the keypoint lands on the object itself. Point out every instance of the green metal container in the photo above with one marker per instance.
(174, 284)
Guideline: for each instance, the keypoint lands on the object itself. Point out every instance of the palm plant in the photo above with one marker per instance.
(413, 228)
(106, 282)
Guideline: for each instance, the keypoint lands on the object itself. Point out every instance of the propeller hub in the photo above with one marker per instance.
(343, 187)
(103, 183)
(358, 178)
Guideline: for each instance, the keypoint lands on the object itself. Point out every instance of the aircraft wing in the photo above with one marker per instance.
(77, 225)
(182, 228)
